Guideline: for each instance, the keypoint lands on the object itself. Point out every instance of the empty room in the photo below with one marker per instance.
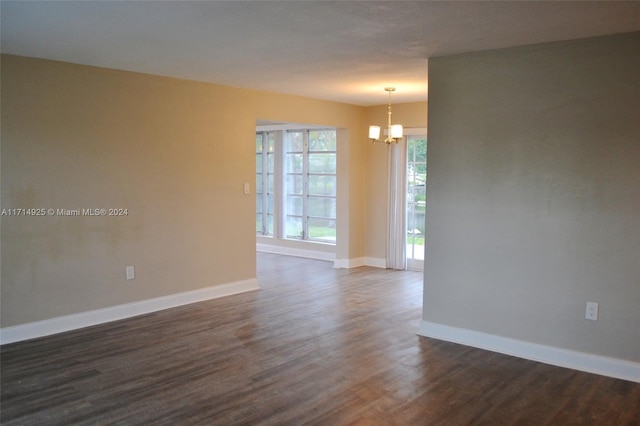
(319, 212)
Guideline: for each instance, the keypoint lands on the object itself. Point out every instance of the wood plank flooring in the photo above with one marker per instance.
(315, 345)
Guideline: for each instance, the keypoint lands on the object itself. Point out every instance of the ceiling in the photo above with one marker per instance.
(345, 51)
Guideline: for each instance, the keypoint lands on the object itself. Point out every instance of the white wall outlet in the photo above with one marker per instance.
(130, 272)
(246, 188)
(591, 312)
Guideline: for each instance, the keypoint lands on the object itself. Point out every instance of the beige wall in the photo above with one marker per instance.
(410, 115)
(175, 153)
(533, 196)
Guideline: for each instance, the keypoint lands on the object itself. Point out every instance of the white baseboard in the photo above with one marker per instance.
(375, 262)
(56, 325)
(348, 263)
(605, 366)
(360, 261)
(290, 251)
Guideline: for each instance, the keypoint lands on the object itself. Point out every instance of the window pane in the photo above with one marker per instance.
(321, 207)
(322, 185)
(416, 148)
(258, 142)
(293, 227)
(258, 163)
(271, 142)
(259, 223)
(421, 191)
(322, 140)
(415, 222)
(269, 224)
(258, 184)
(294, 206)
(322, 230)
(258, 203)
(270, 162)
(270, 183)
(322, 163)
(270, 203)
(293, 163)
(293, 141)
(294, 184)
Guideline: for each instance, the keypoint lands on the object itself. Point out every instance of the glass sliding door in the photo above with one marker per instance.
(416, 199)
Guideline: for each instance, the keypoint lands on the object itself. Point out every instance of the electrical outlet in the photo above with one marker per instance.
(130, 272)
(591, 312)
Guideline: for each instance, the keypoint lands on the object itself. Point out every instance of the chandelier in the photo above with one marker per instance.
(394, 131)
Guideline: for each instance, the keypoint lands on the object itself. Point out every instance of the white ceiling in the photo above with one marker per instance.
(345, 51)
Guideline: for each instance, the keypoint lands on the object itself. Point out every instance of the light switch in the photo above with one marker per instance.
(246, 188)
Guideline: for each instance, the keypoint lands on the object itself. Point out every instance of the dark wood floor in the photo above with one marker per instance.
(315, 345)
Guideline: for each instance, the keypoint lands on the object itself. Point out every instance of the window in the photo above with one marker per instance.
(302, 163)
(265, 173)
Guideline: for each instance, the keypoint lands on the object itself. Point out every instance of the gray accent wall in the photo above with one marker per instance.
(533, 204)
